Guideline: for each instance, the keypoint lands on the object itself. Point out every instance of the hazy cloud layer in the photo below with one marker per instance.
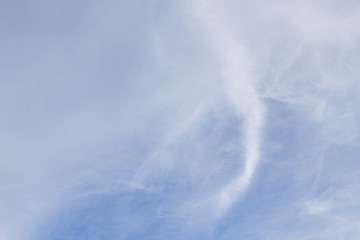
(179, 120)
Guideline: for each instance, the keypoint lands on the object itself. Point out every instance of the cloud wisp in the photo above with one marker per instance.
(240, 88)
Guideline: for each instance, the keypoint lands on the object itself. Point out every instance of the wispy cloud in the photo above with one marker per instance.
(239, 83)
(179, 120)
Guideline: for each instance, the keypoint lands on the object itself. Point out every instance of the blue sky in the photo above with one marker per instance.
(179, 120)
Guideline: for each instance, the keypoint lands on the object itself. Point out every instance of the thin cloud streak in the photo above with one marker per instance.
(240, 90)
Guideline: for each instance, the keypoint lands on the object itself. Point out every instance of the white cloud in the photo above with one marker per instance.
(185, 108)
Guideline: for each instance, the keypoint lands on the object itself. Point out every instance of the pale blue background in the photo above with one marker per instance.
(115, 122)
